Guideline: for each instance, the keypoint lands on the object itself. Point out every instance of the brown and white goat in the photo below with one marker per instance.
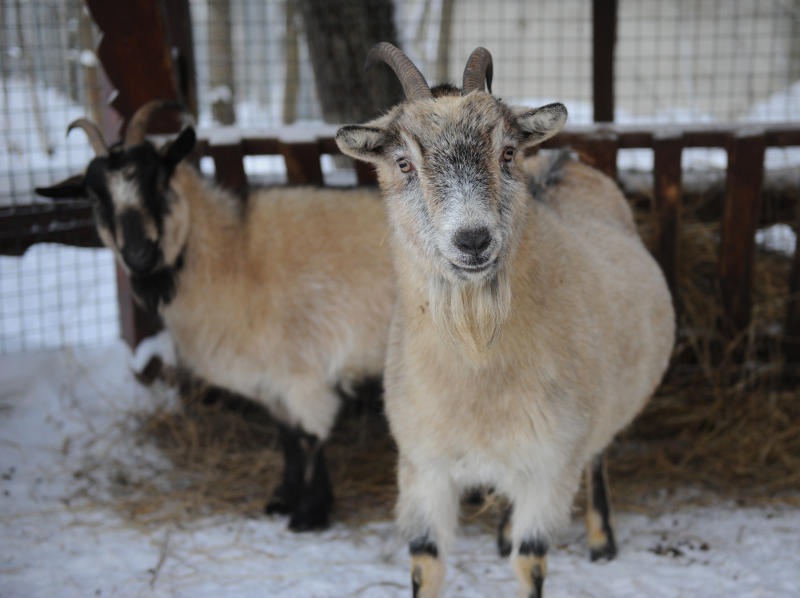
(282, 298)
(531, 322)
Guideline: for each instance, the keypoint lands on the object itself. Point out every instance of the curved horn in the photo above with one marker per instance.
(93, 133)
(414, 85)
(478, 70)
(137, 126)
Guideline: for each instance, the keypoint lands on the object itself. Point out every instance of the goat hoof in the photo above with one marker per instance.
(278, 505)
(308, 517)
(504, 534)
(503, 547)
(606, 552)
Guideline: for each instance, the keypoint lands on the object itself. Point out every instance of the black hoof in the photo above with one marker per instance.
(503, 547)
(606, 552)
(310, 517)
(504, 534)
(278, 505)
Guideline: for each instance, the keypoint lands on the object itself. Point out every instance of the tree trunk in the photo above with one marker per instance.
(339, 35)
(221, 61)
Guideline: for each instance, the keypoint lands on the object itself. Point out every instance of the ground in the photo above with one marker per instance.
(63, 416)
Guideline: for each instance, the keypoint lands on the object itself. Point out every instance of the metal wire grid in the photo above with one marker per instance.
(683, 61)
(707, 60)
(542, 51)
(53, 295)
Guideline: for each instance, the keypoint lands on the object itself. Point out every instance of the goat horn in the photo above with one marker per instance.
(414, 85)
(477, 71)
(93, 133)
(137, 126)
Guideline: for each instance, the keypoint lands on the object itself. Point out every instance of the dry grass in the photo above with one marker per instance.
(723, 423)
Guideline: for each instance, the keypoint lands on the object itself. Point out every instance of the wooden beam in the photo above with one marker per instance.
(302, 163)
(135, 53)
(739, 222)
(69, 222)
(792, 335)
(229, 167)
(604, 37)
(600, 150)
(667, 191)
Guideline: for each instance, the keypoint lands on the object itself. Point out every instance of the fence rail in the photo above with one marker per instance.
(302, 148)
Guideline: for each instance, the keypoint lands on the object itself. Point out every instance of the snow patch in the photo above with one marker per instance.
(52, 425)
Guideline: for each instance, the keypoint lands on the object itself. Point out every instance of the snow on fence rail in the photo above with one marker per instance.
(303, 147)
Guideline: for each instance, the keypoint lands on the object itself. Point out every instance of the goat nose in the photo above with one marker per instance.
(140, 257)
(473, 240)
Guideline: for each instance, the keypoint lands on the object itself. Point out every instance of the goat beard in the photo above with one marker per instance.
(469, 316)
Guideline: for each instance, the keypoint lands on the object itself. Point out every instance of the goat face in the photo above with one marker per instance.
(450, 170)
(137, 215)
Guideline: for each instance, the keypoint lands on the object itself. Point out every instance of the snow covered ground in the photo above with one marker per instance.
(62, 409)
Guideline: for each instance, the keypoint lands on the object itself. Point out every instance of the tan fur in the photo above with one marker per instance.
(525, 568)
(584, 341)
(428, 573)
(286, 300)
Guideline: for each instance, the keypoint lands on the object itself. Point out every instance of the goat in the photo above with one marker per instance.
(528, 328)
(283, 298)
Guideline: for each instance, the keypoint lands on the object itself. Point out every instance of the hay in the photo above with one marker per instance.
(227, 460)
(723, 423)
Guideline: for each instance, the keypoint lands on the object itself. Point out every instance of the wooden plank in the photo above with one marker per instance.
(135, 53)
(604, 37)
(229, 167)
(136, 50)
(792, 335)
(667, 191)
(178, 22)
(600, 150)
(302, 163)
(745, 178)
(71, 223)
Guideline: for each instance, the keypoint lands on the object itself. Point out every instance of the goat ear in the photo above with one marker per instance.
(541, 123)
(181, 147)
(71, 188)
(362, 142)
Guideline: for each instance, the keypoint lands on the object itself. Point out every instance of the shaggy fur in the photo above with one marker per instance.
(517, 374)
(283, 298)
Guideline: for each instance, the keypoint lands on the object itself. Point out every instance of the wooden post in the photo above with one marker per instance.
(229, 167)
(604, 37)
(302, 162)
(792, 335)
(146, 52)
(667, 148)
(600, 151)
(739, 222)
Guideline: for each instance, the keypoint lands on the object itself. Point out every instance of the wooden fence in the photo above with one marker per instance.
(170, 74)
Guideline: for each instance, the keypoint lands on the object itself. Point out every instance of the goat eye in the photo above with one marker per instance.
(508, 154)
(404, 165)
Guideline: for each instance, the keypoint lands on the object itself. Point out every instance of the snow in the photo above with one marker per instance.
(58, 543)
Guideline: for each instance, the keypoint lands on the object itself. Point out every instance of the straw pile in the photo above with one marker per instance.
(724, 423)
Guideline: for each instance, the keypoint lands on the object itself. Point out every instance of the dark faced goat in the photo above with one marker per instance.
(282, 298)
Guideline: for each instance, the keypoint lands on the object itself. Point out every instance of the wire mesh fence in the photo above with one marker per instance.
(269, 63)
